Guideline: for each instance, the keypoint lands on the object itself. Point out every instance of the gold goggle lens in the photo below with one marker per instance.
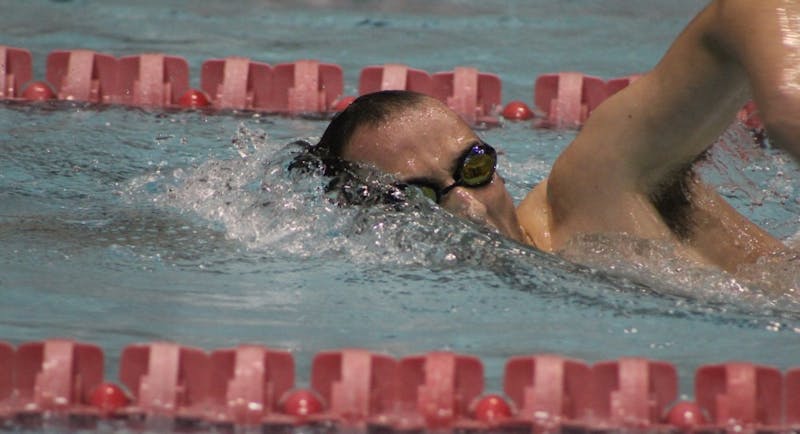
(477, 170)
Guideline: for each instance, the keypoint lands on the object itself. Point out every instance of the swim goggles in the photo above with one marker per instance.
(475, 169)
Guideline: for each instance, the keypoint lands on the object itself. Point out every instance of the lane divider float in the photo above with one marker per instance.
(361, 390)
(562, 100)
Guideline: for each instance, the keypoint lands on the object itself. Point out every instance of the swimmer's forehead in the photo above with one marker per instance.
(419, 140)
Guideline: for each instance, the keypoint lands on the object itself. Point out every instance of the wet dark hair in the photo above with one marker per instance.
(349, 182)
(367, 110)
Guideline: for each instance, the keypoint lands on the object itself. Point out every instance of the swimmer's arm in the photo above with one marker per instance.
(644, 136)
(764, 38)
(659, 125)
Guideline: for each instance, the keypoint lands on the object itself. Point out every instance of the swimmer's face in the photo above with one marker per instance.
(426, 143)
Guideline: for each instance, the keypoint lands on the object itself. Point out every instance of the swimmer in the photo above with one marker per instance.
(629, 170)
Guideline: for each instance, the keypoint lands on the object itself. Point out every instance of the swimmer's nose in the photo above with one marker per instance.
(463, 203)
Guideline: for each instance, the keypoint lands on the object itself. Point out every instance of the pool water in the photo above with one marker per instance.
(120, 225)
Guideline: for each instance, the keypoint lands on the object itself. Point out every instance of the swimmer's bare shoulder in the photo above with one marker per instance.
(533, 214)
(723, 236)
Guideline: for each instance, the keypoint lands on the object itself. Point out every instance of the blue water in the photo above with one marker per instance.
(121, 225)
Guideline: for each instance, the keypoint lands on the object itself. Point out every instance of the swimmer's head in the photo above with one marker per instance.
(423, 143)
(370, 110)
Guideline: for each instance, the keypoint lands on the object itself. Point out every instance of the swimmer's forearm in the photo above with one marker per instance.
(764, 38)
